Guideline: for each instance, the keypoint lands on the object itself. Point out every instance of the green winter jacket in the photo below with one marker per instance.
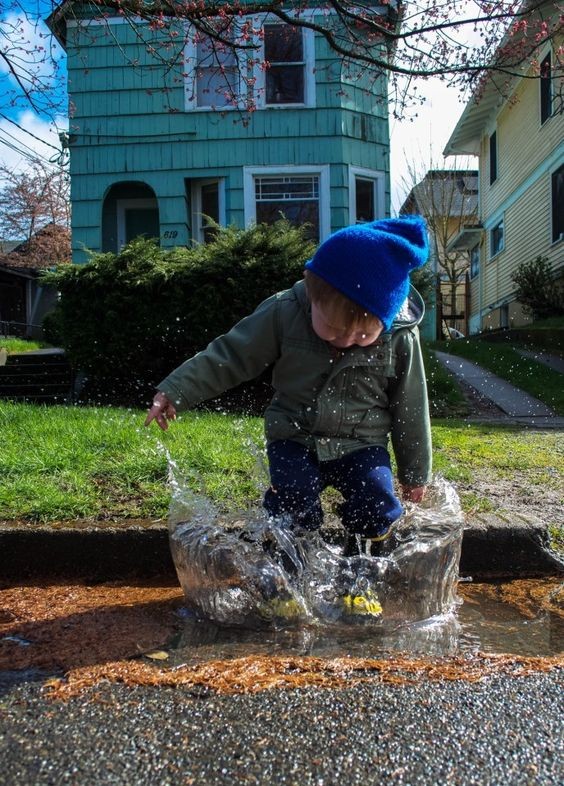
(333, 401)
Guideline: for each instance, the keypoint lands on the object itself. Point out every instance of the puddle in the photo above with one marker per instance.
(491, 618)
(229, 579)
(141, 634)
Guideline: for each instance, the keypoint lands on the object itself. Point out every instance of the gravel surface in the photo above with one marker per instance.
(500, 731)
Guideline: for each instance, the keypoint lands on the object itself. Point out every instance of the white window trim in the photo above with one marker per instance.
(126, 204)
(249, 174)
(196, 202)
(379, 179)
(257, 74)
(308, 39)
(190, 83)
(493, 254)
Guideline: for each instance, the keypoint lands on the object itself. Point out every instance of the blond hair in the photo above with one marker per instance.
(338, 308)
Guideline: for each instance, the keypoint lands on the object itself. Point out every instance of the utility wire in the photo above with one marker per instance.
(28, 132)
(17, 140)
(31, 156)
(15, 145)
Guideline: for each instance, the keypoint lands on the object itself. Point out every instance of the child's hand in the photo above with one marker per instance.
(413, 493)
(162, 411)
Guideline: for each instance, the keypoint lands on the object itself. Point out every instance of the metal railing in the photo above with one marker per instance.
(9, 327)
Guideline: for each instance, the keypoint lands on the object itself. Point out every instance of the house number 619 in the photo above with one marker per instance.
(170, 234)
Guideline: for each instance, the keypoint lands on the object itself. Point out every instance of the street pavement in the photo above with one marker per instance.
(502, 731)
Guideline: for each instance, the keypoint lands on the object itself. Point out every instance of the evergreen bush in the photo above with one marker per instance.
(126, 320)
(536, 289)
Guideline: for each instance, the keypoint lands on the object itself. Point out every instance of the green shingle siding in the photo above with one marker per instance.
(130, 124)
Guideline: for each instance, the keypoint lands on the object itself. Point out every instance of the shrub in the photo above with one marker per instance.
(126, 320)
(536, 289)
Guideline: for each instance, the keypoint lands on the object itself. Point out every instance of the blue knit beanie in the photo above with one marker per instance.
(370, 263)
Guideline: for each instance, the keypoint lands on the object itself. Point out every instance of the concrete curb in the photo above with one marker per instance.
(488, 552)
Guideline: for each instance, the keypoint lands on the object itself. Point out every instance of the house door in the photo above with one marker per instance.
(136, 217)
(143, 222)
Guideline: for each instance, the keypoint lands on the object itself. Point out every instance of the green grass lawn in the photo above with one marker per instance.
(535, 378)
(64, 463)
(14, 345)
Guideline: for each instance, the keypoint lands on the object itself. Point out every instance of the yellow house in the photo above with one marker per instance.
(519, 139)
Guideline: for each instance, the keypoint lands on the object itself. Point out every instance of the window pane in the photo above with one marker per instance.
(210, 201)
(214, 53)
(546, 88)
(216, 88)
(474, 261)
(283, 44)
(365, 207)
(297, 212)
(285, 85)
(497, 238)
(296, 197)
(493, 158)
(558, 204)
(293, 187)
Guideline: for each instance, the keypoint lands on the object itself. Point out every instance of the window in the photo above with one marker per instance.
(546, 88)
(558, 205)
(284, 52)
(493, 157)
(366, 195)
(300, 194)
(217, 74)
(296, 198)
(474, 261)
(207, 201)
(497, 239)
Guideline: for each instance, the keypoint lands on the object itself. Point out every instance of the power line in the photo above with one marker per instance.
(31, 156)
(18, 141)
(43, 142)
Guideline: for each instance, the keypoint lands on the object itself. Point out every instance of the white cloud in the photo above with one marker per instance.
(418, 144)
(16, 146)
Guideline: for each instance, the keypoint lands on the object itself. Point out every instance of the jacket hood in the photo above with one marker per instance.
(412, 311)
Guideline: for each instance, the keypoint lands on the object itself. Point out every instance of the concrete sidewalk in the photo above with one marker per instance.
(518, 406)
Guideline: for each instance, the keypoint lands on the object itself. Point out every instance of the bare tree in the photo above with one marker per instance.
(32, 199)
(455, 40)
(448, 199)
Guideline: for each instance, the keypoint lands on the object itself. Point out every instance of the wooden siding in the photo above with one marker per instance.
(130, 124)
(528, 154)
(527, 232)
(523, 144)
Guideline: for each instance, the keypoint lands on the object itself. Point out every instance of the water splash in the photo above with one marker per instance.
(248, 569)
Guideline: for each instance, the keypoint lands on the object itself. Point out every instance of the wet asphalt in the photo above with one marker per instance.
(504, 731)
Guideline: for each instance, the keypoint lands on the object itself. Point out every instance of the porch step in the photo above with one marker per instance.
(42, 376)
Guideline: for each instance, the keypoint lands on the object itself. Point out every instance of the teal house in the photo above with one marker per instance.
(167, 127)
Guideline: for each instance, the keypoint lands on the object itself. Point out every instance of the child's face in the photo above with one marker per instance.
(341, 337)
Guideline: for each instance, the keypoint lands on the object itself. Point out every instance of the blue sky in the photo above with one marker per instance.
(23, 131)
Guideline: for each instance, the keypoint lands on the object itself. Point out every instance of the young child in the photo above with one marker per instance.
(347, 375)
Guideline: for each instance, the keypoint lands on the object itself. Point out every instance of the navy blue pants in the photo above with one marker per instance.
(364, 478)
